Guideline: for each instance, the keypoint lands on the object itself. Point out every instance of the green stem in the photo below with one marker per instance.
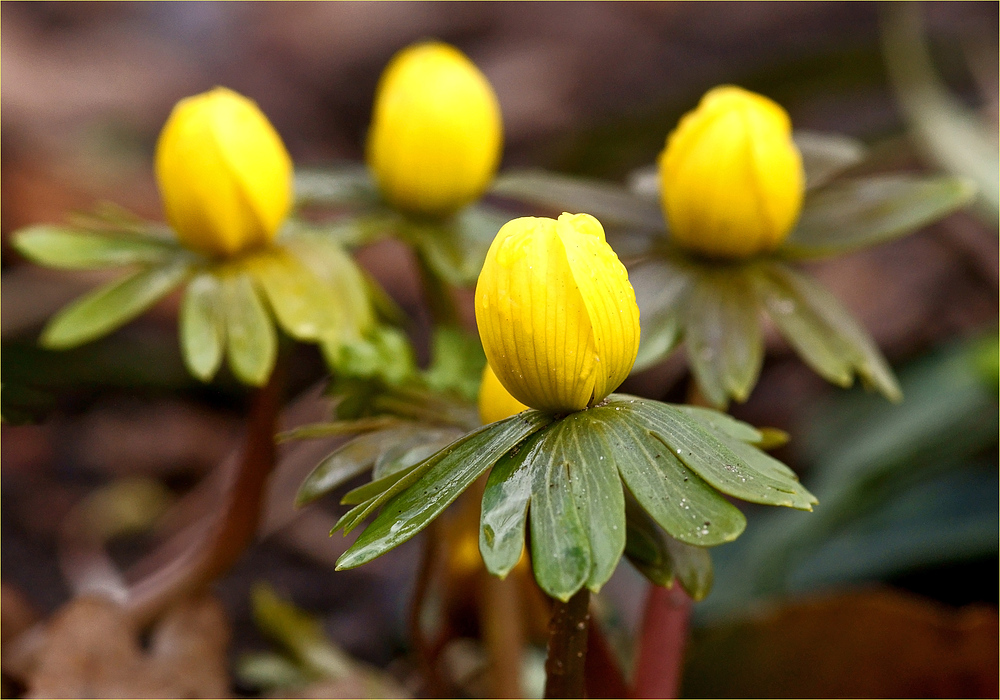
(438, 295)
(567, 653)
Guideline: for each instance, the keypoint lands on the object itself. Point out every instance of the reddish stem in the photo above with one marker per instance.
(661, 644)
(199, 554)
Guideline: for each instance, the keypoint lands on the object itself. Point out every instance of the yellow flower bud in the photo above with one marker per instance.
(495, 402)
(224, 175)
(556, 313)
(436, 133)
(731, 177)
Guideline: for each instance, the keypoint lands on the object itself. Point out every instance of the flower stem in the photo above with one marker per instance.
(438, 295)
(503, 635)
(209, 547)
(661, 643)
(567, 654)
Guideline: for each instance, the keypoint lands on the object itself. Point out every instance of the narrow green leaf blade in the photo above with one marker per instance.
(611, 204)
(505, 507)
(597, 490)
(661, 289)
(722, 332)
(560, 547)
(716, 462)
(826, 155)
(110, 307)
(343, 464)
(855, 214)
(677, 498)
(348, 184)
(451, 471)
(822, 331)
(72, 249)
(692, 567)
(719, 422)
(645, 545)
(456, 249)
(349, 308)
(252, 341)
(203, 327)
(302, 304)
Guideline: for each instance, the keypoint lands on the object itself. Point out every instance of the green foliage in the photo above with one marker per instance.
(715, 309)
(457, 362)
(108, 308)
(72, 249)
(252, 342)
(567, 473)
(418, 497)
(903, 487)
(853, 214)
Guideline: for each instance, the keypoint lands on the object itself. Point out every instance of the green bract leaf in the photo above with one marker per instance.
(661, 287)
(252, 343)
(613, 205)
(349, 184)
(304, 306)
(349, 310)
(596, 489)
(560, 547)
(821, 330)
(67, 248)
(457, 362)
(677, 498)
(412, 449)
(662, 559)
(722, 332)
(456, 249)
(718, 422)
(855, 214)
(431, 486)
(728, 465)
(824, 155)
(344, 463)
(202, 326)
(505, 508)
(109, 307)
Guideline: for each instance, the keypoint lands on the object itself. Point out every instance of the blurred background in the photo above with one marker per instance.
(898, 583)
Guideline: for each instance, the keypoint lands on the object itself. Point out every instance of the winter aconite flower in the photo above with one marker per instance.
(495, 402)
(556, 313)
(436, 131)
(224, 174)
(731, 177)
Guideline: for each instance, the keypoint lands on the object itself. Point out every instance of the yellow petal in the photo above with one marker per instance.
(495, 402)
(556, 313)
(224, 175)
(436, 133)
(731, 176)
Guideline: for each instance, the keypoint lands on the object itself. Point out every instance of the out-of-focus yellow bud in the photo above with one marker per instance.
(224, 175)
(556, 313)
(731, 177)
(436, 133)
(495, 402)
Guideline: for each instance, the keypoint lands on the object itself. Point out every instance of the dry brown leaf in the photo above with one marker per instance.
(91, 650)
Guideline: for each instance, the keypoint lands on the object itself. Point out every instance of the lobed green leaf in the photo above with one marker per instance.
(252, 343)
(821, 330)
(676, 497)
(203, 326)
(68, 248)
(725, 347)
(728, 465)
(105, 309)
(611, 204)
(853, 214)
(420, 496)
